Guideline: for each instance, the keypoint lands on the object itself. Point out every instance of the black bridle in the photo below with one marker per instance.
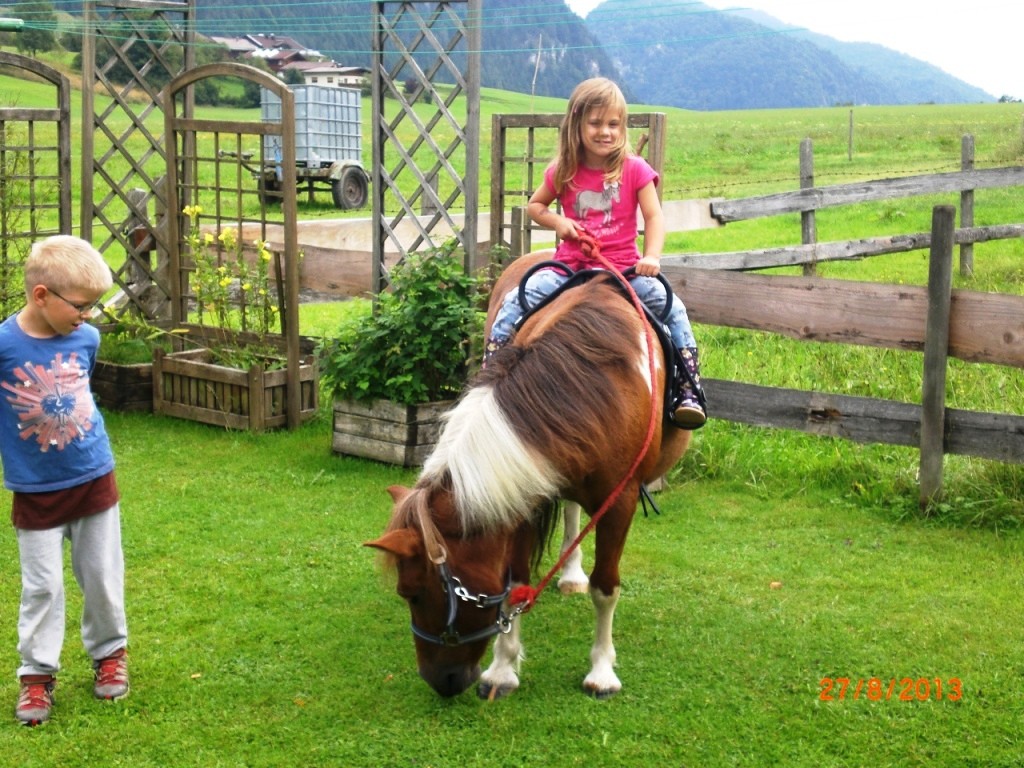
(455, 593)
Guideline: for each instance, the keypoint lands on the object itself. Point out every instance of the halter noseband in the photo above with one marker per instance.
(456, 592)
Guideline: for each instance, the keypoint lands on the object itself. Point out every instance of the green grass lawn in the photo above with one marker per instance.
(263, 634)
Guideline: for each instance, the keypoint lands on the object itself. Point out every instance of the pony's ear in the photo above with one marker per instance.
(402, 543)
(398, 493)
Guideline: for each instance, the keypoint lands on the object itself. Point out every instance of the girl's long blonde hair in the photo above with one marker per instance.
(596, 93)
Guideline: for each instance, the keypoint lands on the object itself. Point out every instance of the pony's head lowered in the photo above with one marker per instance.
(454, 582)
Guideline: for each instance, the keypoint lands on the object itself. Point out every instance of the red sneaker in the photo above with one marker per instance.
(35, 699)
(111, 676)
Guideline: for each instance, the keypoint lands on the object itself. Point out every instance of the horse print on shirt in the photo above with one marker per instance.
(588, 200)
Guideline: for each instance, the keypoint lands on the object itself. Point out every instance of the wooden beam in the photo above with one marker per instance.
(861, 192)
(845, 250)
(995, 436)
(936, 348)
(984, 327)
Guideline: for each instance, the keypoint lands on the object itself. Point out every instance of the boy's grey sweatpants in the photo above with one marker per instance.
(98, 564)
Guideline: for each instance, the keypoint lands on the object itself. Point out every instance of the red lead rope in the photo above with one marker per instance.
(524, 597)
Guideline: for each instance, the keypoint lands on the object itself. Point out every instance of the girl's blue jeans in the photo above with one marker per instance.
(540, 284)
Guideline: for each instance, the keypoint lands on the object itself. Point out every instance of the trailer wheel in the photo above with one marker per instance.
(351, 190)
(269, 190)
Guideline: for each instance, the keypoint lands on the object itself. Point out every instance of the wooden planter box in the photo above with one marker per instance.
(189, 386)
(388, 432)
(123, 387)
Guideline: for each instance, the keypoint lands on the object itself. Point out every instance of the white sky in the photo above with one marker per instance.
(979, 42)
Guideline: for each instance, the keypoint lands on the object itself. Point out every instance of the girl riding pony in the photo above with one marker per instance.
(599, 184)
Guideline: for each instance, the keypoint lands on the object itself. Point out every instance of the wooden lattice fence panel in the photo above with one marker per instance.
(35, 176)
(130, 50)
(416, 186)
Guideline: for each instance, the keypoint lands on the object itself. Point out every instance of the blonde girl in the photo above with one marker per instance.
(599, 184)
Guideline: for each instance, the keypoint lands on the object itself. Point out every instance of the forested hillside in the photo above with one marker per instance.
(682, 54)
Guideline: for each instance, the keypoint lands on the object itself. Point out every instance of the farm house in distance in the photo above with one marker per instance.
(333, 75)
(282, 54)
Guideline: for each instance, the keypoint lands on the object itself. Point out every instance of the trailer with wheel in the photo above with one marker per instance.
(328, 145)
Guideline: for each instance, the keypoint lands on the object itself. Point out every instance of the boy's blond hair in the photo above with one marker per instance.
(66, 263)
(595, 93)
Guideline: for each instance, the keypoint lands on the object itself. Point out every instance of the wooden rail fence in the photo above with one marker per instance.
(934, 319)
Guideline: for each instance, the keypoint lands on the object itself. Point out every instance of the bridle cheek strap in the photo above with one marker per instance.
(455, 593)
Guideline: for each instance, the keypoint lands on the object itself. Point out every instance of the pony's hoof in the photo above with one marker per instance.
(493, 692)
(600, 693)
(573, 587)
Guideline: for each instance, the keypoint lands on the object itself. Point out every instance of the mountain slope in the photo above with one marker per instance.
(681, 54)
(521, 39)
(905, 79)
(515, 36)
(715, 60)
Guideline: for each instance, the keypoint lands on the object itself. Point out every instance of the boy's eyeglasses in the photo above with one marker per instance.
(88, 308)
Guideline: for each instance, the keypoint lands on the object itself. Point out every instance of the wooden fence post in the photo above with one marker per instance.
(936, 350)
(849, 138)
(519, 233)
(808, 226)
(967, 205)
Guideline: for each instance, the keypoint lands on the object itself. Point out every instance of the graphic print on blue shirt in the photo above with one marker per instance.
(53, 403)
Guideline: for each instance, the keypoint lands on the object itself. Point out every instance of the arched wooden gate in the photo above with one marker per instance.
(215, 167)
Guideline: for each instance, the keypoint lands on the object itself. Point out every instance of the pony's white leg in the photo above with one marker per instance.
(602, 680)
(573, 578)
(502, 676)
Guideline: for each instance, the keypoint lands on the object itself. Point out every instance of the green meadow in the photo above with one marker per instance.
(788, 606)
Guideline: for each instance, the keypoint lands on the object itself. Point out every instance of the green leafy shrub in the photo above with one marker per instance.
(130, 341)
(416, 345)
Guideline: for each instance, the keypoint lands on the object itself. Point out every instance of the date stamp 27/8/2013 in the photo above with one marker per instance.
(898, 688)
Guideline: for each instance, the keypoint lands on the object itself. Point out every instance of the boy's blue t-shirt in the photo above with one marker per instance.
(52, 434)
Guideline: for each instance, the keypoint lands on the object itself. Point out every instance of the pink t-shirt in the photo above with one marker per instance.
(607, 212)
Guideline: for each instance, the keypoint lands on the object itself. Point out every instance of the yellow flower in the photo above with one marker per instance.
(220, 263)
(262, 249)
(228, 238)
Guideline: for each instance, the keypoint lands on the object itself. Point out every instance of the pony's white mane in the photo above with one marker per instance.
(496, 479)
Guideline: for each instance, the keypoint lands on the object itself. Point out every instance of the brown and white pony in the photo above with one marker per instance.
(563, 412)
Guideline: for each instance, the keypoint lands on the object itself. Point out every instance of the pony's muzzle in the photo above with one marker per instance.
(450, 679)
